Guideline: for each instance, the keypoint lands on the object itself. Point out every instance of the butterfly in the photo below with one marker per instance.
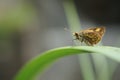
(90, 36)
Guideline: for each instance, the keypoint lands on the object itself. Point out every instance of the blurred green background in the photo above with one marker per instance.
(29, 27)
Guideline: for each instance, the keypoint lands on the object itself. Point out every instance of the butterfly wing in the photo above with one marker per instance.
(99, 30)
(91, 38)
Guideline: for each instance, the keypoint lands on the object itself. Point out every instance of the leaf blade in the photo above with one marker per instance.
(39, 63)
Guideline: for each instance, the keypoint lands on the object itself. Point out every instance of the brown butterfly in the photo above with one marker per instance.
(90, 36)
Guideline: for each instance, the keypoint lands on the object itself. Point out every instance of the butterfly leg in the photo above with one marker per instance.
(73, 42)
(82, 39)
(87, 43)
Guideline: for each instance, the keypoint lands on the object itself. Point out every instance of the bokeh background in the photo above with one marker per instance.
(30, 27)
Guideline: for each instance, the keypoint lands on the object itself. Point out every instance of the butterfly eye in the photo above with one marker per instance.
(75, 34)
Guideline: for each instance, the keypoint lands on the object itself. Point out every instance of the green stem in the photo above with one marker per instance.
(74, 24)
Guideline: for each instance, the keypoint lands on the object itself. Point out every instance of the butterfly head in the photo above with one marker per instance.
(76, 35)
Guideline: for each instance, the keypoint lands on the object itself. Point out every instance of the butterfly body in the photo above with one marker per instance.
(90, 36)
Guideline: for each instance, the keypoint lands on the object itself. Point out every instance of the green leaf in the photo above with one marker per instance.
(39, 63)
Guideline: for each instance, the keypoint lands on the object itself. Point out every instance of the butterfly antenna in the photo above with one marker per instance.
(66, 29)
